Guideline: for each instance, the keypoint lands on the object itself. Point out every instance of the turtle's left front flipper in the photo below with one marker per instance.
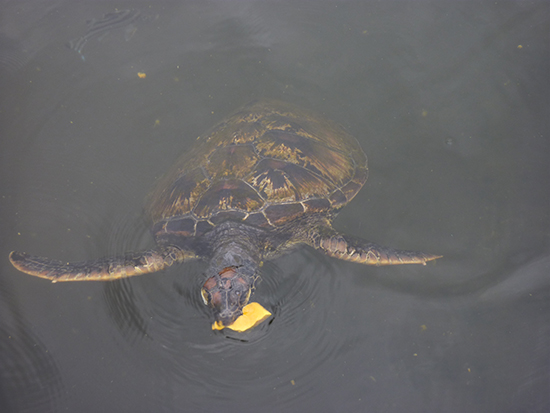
(354, 249)
(104, 269)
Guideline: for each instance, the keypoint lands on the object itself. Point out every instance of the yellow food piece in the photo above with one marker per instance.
(142, 75)
(253, 314)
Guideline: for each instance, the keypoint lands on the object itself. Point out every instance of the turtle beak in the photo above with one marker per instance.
(227, 293)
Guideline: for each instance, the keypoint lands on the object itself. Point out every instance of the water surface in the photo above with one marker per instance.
(449, 101)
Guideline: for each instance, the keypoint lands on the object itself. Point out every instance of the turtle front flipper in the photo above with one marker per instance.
(354, 249)
(105, 269)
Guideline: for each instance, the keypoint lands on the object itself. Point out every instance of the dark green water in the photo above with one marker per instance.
(450, 103)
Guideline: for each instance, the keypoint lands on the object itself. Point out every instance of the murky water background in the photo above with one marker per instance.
(449, 101)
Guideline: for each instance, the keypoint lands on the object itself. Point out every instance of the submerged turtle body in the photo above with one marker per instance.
(264, 180)
(265, 166)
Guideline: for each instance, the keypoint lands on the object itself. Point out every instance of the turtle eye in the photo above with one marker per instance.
(204, 296)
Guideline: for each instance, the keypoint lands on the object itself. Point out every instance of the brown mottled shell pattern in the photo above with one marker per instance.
(265, 165)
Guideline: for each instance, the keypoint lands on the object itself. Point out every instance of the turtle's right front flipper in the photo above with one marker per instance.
(346, 247)
(104, 269)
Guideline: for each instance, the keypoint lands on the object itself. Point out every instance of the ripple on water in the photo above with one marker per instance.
(30, 379)
(164, 314)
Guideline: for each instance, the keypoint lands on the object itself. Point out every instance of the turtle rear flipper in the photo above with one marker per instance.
(104, 269)
(354, 249)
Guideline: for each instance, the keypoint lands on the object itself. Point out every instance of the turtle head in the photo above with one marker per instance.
(228, 291)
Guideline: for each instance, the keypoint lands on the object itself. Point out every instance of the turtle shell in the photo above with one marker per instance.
(265, 165)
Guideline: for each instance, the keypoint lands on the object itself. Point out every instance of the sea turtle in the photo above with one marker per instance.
(266, 179)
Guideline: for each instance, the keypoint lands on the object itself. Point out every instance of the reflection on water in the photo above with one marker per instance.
(530, 280)
(99, 28)
(30, 380)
